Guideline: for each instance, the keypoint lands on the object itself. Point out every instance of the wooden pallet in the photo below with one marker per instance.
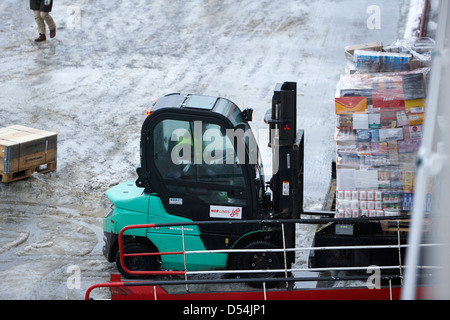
(26, 173)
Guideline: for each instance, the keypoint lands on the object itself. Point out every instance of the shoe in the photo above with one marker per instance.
(53, 33)
(41, 37)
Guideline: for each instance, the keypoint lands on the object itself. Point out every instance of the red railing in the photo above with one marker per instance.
(133, 272)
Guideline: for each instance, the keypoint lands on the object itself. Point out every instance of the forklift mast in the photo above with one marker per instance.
(287, 156)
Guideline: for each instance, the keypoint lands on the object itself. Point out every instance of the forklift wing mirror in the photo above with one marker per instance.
(248, 115)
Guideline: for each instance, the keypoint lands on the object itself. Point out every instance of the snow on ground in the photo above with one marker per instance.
(108, 62)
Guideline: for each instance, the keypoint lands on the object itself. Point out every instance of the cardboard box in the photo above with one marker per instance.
(350, 105)
(355, 85)
(374, 46)
(377, 144)
(416, 119)
(350, 50)
(23, 148)
(388, 99)
(414, 86)
(388, 119)
(415, 106)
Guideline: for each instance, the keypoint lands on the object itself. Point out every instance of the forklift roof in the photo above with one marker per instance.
(199, 102)
(202, 103)
(183, 100)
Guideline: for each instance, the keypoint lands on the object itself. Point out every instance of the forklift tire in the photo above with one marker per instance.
(257, 261)
(138, 263)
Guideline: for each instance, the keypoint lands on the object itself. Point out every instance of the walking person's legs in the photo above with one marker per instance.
(41, 26)
(50, 23)
(42, 18)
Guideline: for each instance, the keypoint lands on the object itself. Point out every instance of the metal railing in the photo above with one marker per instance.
(286, 270)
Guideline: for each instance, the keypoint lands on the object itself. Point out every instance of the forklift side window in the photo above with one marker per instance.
(171, 146)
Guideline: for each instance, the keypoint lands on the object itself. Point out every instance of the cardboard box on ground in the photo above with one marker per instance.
(24, 150)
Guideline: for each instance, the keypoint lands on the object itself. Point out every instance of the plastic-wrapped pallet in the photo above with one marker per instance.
(378, 133)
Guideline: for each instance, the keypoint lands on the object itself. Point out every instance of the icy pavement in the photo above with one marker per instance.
(108, 62)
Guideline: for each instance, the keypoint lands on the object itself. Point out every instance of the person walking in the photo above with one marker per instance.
(41, 9)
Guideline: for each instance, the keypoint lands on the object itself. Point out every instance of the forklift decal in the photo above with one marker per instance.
(225, 212)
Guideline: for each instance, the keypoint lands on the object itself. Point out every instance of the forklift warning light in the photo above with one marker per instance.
(285, 189)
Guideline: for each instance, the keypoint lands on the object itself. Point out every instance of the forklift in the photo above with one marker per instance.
(200, 166)
(200, 162)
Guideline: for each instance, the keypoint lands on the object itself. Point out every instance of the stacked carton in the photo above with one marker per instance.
(24, 150)
(379, 129)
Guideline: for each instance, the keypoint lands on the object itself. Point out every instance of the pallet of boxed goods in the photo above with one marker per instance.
(380, 117)
(25, 150)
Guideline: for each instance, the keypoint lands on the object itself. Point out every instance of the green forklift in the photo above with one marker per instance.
(200, 163)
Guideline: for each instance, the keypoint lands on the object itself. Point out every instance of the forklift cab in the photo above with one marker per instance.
(199, 155)
(200, 163)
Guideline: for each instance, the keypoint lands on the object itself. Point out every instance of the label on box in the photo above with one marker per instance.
(345, 121)
(378, 195)
(408, 181)
(402, 119)
(366, 179)
(378, 205)
(363, 205)
(348, 213)
(415, 106)
(411, 145)
(407, 201)
(347, 195)
(391, 134)
(379, 148)
(363, 195)
(363, 135)
(364, 149)
(393, 152)
(388, 119)
(374, 120)
(360, 121)
(415, 119)
(412, 132)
